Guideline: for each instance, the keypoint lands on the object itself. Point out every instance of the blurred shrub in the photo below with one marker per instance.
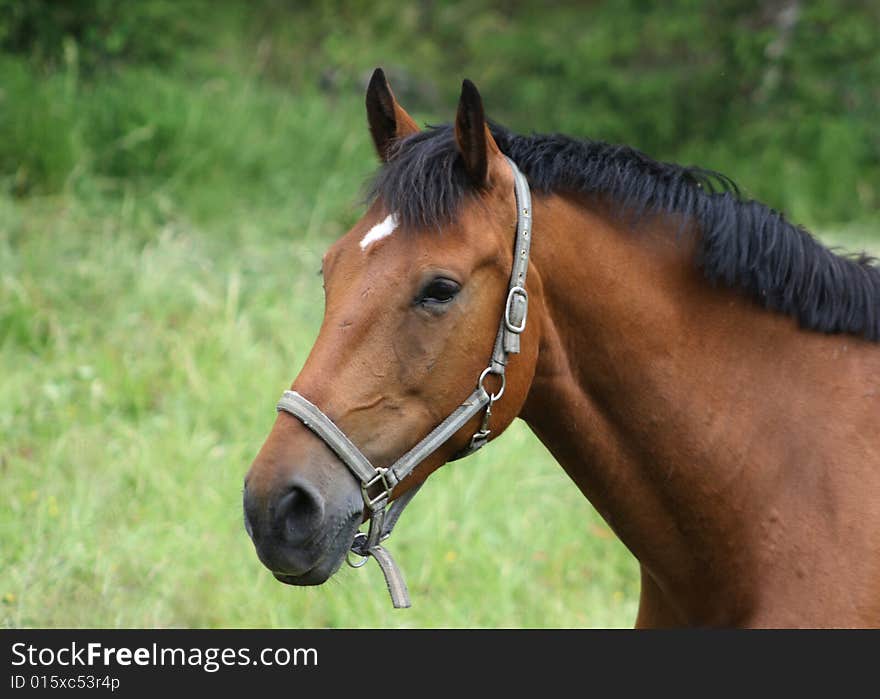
(36, 143)
(783, 95)
(101, 32)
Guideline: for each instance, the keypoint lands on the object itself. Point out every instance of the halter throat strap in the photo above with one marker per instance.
(377, 484)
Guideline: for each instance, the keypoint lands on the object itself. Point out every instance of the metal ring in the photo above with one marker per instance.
(357, 564)
(356, 547)
(492, 396)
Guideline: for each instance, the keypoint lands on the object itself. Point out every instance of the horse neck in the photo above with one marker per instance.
(637, 371)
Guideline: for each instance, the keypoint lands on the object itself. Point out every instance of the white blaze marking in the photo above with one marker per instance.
(379, 231)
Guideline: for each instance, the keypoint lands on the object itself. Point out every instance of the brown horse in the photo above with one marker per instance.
(707, 373)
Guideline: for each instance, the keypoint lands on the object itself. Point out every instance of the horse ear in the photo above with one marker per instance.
(472, 135)
(388, 120)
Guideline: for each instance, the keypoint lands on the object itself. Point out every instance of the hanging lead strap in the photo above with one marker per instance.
(377, 484)
(393, 577)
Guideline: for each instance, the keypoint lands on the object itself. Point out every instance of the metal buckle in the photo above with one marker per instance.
(386, 488)
(516, 291)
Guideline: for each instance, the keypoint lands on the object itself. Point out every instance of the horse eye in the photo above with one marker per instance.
(439, 290)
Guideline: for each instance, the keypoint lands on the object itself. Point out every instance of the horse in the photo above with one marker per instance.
(706, 372)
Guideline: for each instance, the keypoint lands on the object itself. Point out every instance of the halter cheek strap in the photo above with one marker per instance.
(377, 484)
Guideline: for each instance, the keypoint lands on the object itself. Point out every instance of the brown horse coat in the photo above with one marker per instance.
(725, 421)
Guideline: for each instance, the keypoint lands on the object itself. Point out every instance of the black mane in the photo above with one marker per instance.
(743, 243)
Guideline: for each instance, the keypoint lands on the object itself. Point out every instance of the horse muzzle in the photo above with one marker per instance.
(298, 534)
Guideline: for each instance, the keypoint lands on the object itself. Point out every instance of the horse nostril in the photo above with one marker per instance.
(299, 513)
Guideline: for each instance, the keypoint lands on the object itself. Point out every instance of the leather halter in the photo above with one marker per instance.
(377, 484)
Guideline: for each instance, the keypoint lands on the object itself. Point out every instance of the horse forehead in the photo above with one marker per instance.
(383, 245)
(377, 241)
(379, 231)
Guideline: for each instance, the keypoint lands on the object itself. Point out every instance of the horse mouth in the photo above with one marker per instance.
(329, 561)
(312, 577)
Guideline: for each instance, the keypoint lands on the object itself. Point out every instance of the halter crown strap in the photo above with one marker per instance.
(516, 306)
(377, 484)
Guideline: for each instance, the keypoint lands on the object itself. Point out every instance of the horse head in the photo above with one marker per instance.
(419, 317)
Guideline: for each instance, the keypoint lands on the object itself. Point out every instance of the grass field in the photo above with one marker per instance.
(147, 328)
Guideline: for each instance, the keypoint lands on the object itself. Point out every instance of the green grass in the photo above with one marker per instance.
(159, 243)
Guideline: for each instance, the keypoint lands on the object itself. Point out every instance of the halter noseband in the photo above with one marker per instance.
(377, 484)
